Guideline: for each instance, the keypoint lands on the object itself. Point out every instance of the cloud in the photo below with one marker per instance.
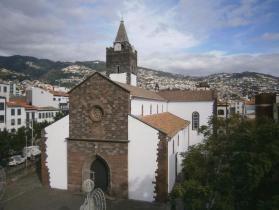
(153, 30)
(270, 36)
(205, 64)
(163, 32)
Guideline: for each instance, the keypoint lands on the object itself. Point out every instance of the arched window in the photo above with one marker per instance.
(195, 120)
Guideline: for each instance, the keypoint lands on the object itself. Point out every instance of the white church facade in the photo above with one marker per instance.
(128, 139)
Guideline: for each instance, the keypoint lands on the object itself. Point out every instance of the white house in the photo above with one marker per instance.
(16, 116)
(39, 97)
(2, 113)
(5, 90)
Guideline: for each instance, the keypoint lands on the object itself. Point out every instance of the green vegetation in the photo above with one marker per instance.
(235, 170)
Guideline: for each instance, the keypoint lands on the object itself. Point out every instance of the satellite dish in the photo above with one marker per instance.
(2, 182)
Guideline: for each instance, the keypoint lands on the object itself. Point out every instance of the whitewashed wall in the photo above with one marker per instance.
(180, 147)
(119, 77)
(40, 97)
(185, 110)
(5, 91)
(137, 103)
(133, 80)
(48, 116)
(10, 117)
(56, 151)
(142, 155)
(3, 113)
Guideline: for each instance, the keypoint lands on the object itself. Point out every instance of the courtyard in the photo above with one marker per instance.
(28, 194)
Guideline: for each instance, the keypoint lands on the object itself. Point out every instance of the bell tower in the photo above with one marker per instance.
(121, 59)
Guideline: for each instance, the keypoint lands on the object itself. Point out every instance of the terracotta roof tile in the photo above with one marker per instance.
(188, 95)
(59, 93)
(140, 92)
(165, 122)
(20, 103)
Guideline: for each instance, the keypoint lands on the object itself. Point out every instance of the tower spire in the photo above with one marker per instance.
(121, 34)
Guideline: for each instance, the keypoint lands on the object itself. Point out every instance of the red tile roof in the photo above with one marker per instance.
(59, 93)
(20, 103)
(165, 122)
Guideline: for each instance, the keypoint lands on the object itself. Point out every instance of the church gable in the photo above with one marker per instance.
(98, 110)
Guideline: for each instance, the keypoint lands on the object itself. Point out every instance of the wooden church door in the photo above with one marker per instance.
(100, 174)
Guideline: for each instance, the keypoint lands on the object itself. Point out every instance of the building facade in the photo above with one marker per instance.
(127, 139)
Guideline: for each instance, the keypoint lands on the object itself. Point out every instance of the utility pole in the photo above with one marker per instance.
(25, 149)
(32, 133)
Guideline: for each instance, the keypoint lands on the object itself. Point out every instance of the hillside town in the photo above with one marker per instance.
(113, 131)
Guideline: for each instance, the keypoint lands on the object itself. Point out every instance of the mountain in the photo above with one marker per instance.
(69, 74)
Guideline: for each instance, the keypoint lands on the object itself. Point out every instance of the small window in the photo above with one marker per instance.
(142, 110)
(150, 109)
(51, 114)
(178, 140)
(54, 99)
(5, 89)
(33, 115)
(2, 106)
(173, 147)
(19, 121)
(40, 115)
(2, 118)
(195, 120)
(157, 108)
(18, 111)
(59, 99)
(221, 112)
(12, 121)
(12, 112)
(118, 69)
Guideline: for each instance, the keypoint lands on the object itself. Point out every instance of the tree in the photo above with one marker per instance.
(235, 170)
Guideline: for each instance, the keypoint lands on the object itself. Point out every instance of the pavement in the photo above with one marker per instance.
(28, 194)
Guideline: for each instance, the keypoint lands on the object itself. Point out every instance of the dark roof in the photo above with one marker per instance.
(141, 92)
(165, 122)
(121, 34)
(188, 95)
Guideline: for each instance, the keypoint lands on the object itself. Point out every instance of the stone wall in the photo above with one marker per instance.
(161, 183)
(107, 137)
(81, 154)
(126, 59)
(44, 168)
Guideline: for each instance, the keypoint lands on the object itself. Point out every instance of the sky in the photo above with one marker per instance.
(191, 37)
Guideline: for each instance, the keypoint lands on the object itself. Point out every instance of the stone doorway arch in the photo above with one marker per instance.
(97, 169)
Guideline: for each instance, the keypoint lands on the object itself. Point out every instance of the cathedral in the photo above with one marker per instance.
(127, 139)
